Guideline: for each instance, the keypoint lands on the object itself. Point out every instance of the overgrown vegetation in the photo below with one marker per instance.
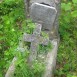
(67, 53)
(11, 19)
(23, 69)
(12, 26)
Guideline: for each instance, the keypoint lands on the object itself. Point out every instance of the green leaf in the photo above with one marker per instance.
(1, 26)
(1, 75)
(74, 13)
(74, 1)
(66, 7)
(63, 5)
(74, 76)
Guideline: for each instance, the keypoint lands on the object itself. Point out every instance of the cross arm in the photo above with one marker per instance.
(28, 37)
(39, 39)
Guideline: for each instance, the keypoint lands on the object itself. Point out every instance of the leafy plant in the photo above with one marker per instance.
(66, 60)
(12, 27)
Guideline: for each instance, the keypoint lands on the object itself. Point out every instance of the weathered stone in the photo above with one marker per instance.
(56, 23)
(43, 13)
(11, 70)
(48, 2)
(35, 40)
(51, 60)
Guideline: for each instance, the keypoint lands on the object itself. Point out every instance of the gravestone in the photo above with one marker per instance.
(39, 11)
(43, 13)
(53, 30)
(35, 40)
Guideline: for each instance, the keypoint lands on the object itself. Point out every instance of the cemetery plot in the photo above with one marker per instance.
(41, 11)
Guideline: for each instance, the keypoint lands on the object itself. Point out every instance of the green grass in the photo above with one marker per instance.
(67, 52)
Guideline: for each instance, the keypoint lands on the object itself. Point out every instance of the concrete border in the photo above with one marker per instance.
(11, 70)
(51, 60)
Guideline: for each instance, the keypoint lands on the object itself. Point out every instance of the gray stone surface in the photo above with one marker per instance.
(49, 2)
(11, 70)
(51, 60)
(43, 13)
(35, 40)
(56, 23)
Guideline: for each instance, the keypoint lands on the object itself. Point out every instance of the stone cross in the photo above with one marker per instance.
(43, 12)
(35, 40)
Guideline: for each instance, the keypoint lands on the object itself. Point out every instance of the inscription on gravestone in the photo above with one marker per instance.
(35, 40)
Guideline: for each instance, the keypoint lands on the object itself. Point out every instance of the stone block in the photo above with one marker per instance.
(45, 14)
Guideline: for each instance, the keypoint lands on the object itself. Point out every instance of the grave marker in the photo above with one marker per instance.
(35, 40)
(44, 13)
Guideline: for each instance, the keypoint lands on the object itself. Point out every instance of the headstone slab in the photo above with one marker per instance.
(43, 13)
